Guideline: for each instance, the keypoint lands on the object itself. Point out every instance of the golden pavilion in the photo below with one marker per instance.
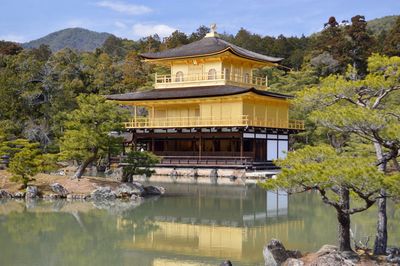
(211, 110)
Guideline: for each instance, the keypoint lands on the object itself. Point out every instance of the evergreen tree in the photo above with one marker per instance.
(88, 130)
(138, 163)
(361, 43)
(340, 179)
(367, 108)
(392, 42)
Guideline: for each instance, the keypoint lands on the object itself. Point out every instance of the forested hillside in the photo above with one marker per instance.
(381, 25)
(73, 38)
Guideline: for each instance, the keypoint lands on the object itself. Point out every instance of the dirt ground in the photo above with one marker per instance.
(83, 186)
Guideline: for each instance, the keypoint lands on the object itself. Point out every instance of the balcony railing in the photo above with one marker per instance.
(204, 79)
(185, 122)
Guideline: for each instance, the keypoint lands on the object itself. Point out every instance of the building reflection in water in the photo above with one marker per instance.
(221, 223)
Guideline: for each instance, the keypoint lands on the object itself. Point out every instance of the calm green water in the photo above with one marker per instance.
(192, 225)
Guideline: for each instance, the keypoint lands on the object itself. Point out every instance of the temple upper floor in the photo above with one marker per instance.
(208, 62)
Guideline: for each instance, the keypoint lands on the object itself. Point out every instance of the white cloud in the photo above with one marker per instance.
(121, 7)
(13, 38)
(143, 30)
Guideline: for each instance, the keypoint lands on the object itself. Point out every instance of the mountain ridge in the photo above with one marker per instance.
(86, 40)
(74, 38)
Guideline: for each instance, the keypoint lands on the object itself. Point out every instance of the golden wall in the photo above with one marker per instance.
(234, 108)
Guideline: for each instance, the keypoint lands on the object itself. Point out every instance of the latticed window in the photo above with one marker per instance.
(247, 78)
(179, 76)
(212, 74)
(227, 74)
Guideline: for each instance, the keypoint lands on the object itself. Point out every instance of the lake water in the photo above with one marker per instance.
(191, 225)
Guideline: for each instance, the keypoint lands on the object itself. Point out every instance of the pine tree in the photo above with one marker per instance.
(392, 42)
(87, 135)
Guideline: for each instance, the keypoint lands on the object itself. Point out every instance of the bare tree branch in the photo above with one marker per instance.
(383, 94)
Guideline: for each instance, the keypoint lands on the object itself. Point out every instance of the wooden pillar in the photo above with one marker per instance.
(200, 144)
(254, 148)
(152, 144)
(152, 115)
(134, 116)
(241, 144)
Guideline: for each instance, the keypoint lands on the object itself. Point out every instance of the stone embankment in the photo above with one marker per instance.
(211, 176)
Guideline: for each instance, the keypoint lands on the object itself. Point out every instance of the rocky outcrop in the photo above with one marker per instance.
(293, 262)
(5, 194)
(19, 195)
(103, 193)
(329, 255)
(78, 197)
(154, 191)
(393, 255)
(59, 190)
(126, 190)
(334, 258)
(52, 196)
(32, 192)
(275, 253)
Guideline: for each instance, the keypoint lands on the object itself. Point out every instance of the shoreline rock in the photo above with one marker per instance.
(133, 191)
(5, 194)
(59, 190)
(32, 192)
(275, 253)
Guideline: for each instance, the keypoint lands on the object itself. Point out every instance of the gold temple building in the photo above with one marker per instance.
(211, 110)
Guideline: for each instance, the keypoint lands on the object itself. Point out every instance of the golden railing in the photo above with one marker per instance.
(182, 122)
(211, 78)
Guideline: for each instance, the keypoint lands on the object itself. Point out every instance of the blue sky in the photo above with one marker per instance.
(24, 20)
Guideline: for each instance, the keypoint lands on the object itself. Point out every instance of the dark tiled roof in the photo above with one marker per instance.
(209, 45)
(192, 92)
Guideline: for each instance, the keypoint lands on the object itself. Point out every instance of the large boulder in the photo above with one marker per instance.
(59, 189)
(393, 255)
(334, 258)
(226, 263)
(154, 190)
(275, 253)
(293, 262)
(329, 255)
(19, 195)
(103, 193)
(5, 194)
(326, 249)
(126, 190)
(32, 192)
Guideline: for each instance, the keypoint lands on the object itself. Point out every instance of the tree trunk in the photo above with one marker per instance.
(381, 238)
(381, 227)
(344, 220)
(81, 169)
(396, 164)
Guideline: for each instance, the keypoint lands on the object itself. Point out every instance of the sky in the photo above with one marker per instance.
(25, 20)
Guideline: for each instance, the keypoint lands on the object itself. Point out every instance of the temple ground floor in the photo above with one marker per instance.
(248, 148)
